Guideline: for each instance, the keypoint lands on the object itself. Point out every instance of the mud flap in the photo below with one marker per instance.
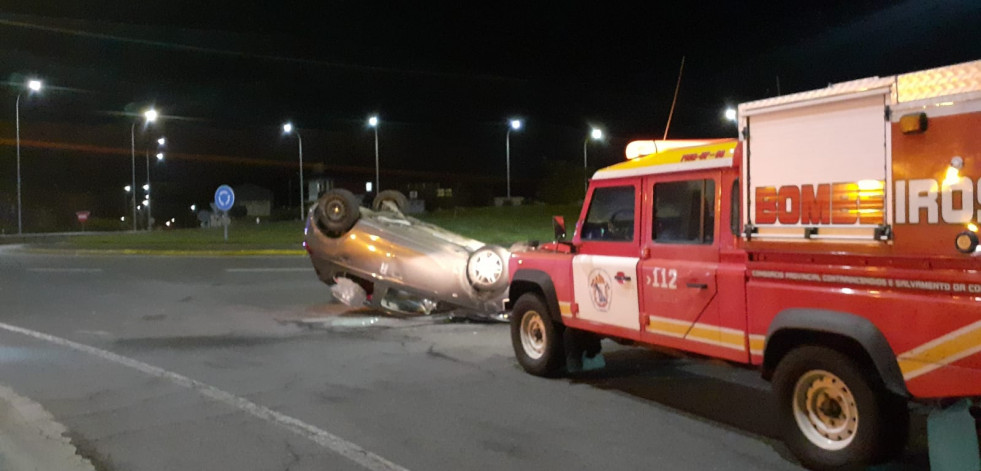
(953, 438)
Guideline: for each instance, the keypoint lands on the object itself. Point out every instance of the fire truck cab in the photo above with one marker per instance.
(833, 246)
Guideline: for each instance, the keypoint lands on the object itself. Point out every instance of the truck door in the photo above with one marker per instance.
(604, 270)
(681, 256)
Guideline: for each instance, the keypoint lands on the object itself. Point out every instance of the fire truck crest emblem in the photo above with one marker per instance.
(599, 290)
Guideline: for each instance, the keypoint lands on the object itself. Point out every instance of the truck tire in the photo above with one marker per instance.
(337, 211)
(834, 416)
(487, 268)
(536, 339)
(388, 198)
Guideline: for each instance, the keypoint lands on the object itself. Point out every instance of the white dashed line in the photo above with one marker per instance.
(321, 437)
(65, 270)
(266, 270)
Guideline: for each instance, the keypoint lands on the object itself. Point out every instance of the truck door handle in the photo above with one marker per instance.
(621, 277)
(697, 285)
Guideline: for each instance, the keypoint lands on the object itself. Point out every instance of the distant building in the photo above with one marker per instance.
(317, 186)
(256, 200)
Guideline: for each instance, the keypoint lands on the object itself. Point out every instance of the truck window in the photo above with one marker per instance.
(684, 212)
(611, 215)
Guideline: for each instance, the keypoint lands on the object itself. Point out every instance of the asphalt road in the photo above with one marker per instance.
(156, 363)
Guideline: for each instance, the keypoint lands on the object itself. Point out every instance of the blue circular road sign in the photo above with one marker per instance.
(224, 197)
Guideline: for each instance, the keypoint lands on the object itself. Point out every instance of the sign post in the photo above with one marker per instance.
(224, 200)
(82, 217)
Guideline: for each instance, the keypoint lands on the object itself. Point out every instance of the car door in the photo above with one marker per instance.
(681, 257)
(604, 269)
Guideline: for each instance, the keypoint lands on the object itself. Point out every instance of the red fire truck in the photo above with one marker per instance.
(833, 245)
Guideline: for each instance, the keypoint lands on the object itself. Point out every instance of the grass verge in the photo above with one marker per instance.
(494, 225)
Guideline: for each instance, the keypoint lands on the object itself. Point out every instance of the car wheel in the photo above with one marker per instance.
(390, 200)
(537, 341)
(833, 415)
(487, 268)
(337, 211)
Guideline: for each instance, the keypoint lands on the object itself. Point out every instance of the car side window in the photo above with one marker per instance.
(611, 215)
(684, 212)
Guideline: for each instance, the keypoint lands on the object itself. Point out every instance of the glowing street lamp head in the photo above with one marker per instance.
(127, 188)
(146, 187)
(287, 128)
(373, 121)
(161, 141)
(150, 115)
(516, 124)
(160, 155)
(34, 85)
(596, 134)
(730, 114)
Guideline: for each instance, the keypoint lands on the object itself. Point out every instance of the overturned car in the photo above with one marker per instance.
(402, 264)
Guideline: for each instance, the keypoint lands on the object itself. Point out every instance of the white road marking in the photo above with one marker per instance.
(266, 270)
(321, 437)
(65, 270)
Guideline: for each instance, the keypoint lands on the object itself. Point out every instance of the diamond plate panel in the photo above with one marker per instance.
(932, 83)
(835, 89)
(949, 80)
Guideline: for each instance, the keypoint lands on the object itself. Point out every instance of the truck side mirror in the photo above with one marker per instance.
(558, 226)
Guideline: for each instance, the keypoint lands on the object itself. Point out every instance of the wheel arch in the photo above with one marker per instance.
(535, 281)
(853, 335)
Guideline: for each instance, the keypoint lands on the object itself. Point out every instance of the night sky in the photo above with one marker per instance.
(444, 78)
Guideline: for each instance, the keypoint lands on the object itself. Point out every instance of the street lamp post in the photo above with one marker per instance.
(32, 86)
(514, 125)
(373, 122)
(289, 129)
(149, 116)
(160, 156)
(595, 134)
(127, 189)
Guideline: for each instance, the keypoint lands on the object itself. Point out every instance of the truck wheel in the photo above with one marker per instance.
(389, 198)
(337, 211)
(832, 415)
(537, 341)
(487, 268)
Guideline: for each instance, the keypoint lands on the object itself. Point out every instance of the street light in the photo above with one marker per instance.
(149, 216)
(514, 125)
(288, 129)
(149, 116)
(730, 114)
(595, 134)
(33, 86)
(373, 122)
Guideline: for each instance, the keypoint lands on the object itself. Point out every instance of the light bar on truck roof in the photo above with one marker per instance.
(637, 149)
(649, 157)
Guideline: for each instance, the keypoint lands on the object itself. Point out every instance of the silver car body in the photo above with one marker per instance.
(390, 250)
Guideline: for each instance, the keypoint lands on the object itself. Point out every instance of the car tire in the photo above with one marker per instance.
(834, 416)
(487, 268)
(337, 211)
(385, 199)
(536, 339)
